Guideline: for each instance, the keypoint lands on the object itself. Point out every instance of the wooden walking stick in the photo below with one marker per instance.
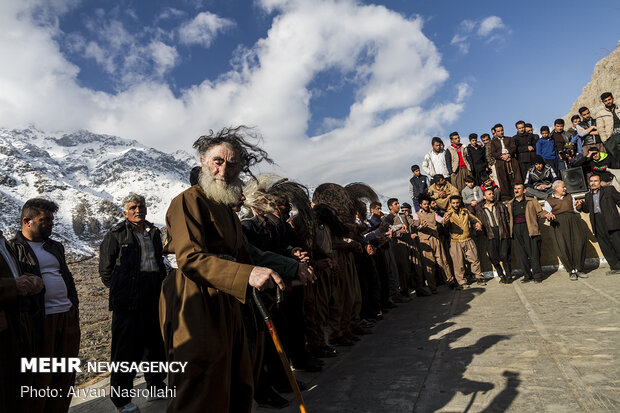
(276, 341)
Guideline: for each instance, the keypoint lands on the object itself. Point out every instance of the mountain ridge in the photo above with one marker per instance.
(87, 174)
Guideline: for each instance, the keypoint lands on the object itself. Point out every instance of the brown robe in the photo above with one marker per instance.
(200, 313)
(508, 173)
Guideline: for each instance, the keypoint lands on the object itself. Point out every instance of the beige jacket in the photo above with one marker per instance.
(605, 122)
(459, 224)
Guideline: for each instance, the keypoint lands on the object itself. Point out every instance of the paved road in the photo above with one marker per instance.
(550, 347)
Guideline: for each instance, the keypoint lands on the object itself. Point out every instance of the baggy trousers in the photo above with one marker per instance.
(499, 250)
(434, 252)
(570, 241)
(461, 252)
(527, 250)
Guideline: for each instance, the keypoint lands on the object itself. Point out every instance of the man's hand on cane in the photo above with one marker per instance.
(263, 278)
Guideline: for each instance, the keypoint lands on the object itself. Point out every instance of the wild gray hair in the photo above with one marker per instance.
(556, 184)
(133, 197)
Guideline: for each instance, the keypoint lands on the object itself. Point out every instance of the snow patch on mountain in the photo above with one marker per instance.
(88, 175)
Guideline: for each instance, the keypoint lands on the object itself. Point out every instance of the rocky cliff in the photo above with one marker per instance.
(606, 78)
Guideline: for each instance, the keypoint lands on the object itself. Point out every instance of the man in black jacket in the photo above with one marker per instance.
(601, 203)
(526, 148)
(496, 223)
(54, 312)
(477, 158)
(131, 265)
(418, 185)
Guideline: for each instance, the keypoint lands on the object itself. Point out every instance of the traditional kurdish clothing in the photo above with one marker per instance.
(462, 247)
(568, 232)
(431, 248)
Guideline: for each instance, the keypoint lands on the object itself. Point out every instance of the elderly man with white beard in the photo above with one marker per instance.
(200, 312)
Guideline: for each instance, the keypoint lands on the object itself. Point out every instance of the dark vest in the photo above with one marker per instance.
(589, 139)
(560, 206)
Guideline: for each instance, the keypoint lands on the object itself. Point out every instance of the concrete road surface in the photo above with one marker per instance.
(550, 347)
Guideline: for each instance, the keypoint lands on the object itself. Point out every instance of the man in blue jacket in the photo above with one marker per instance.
(546, 147)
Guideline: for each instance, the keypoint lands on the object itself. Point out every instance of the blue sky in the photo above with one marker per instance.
(342, 90)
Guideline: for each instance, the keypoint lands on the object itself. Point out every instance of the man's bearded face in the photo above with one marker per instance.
(220, 175)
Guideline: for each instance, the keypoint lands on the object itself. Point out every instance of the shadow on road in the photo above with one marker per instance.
(446, 372)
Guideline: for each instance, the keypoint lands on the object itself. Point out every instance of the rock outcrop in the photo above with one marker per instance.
(606, 78)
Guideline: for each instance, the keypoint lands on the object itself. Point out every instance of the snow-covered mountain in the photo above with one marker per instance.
(87, 175)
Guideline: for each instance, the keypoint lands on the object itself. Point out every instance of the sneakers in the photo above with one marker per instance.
(582, 275)
(526, 280)
(573, 276)
(481, 281)
(612, 272)
(129, 408)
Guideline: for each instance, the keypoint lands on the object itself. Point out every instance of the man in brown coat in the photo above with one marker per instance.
(200, 311)
(504, 150)
(431, 248)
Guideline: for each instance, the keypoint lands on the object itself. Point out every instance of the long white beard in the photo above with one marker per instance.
(218, 190)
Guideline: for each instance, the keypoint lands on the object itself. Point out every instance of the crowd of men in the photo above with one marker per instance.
(327, 266)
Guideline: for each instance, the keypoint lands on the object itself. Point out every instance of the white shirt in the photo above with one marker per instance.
(439, 163)
(56, 298)
(504, 150)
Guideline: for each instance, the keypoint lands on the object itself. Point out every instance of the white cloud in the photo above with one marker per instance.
(171, 12)
(394, 67)
(489, 24)
(129, 55)
(203, 28)
(164, 56)
(491, 29)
